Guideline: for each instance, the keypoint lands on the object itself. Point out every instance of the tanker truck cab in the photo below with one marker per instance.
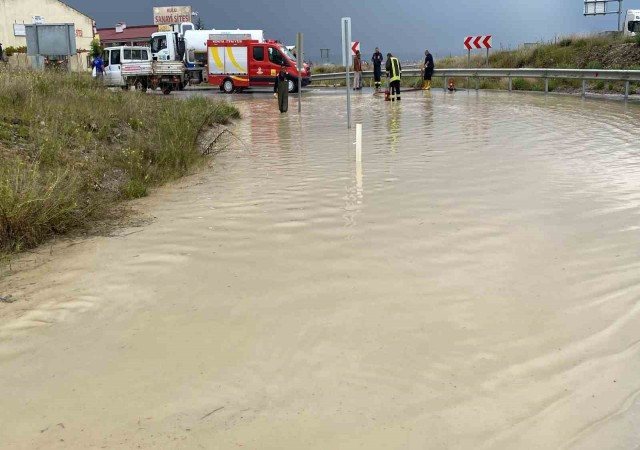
(236, 65)
(169, 45)
(632, 23)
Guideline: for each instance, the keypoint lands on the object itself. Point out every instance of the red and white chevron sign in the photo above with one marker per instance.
(471, 42)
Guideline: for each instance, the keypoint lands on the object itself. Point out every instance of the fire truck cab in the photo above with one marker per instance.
(237, 65)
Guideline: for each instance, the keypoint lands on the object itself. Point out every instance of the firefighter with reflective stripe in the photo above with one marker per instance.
(394, 71)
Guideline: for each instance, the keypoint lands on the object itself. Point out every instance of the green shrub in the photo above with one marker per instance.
(9, 51)
(522, 84)
(566, 42)
(96, 48)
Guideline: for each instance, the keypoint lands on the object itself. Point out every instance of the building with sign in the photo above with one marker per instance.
(14, 14)
(121, 34)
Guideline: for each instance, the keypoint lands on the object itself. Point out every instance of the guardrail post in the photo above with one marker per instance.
(584, 88)
(626, 90)
(444, 82)
(510, 86)
(477, 83)
(546, 85)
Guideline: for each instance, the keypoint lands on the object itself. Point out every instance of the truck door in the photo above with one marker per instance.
(106, 55)
(260, 72)
(114, 69)
(276, 60)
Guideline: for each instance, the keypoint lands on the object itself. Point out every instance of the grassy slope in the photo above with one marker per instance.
(70, 150)
(581, 52)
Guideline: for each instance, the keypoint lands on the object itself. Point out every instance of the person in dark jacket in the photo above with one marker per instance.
(427, 69)
(394, 74)
(377, 60)
(281, 90)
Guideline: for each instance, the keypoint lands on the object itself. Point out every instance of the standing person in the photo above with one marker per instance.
(377, 60)
(98, 64)
(428, 69)
(394, 70)
(357, 70)
(281, 90)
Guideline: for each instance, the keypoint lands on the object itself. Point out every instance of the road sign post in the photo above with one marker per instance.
(601, 8)
(468, 65)
(477, 42)
(346, 59)
(300, 66)
(355, 46)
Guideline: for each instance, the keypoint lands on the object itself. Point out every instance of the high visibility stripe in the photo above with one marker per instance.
(395, 69)
(216, 58)
(233, 60)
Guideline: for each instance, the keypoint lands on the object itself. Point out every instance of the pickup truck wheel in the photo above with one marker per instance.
(293, 86)
(228, 86)
(140, 86)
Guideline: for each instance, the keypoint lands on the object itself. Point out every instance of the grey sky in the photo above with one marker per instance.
(403, 27)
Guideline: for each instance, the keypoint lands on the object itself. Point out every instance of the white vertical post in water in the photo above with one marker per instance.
(626, 90)
(358, 142)
(346, 59)
(300, 66)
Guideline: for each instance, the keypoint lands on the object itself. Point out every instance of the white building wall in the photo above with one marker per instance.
(53, 11)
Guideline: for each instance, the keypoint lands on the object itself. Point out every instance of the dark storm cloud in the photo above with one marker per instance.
(403, 27)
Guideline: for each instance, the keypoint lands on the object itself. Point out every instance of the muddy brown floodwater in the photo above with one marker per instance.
(473, 284)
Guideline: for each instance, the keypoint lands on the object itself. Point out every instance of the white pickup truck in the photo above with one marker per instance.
(128, 67)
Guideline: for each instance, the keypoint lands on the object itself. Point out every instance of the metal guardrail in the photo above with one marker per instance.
(547, 74)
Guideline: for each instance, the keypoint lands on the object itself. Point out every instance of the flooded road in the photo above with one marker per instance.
(474, 283)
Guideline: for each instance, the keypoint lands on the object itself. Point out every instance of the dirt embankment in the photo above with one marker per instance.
(612, 56)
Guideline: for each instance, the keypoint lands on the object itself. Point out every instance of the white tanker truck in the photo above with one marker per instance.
(185, 43)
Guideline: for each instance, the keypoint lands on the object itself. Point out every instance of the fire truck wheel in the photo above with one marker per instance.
(166, 90)
(293, 87)
(228, 86)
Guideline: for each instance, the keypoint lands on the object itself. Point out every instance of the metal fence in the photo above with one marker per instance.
(546, 74)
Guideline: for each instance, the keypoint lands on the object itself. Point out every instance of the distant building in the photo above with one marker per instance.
(124, 35)
(14, 14)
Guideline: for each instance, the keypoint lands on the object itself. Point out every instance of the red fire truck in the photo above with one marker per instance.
(237, 65)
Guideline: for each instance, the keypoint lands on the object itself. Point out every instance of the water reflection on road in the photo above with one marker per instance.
(472, 283)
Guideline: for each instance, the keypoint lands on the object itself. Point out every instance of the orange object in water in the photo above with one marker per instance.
(386, 95)
(451, 85)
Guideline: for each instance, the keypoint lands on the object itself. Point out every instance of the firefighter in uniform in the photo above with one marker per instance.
(394, 70)
(377, 60)
(427, 69)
